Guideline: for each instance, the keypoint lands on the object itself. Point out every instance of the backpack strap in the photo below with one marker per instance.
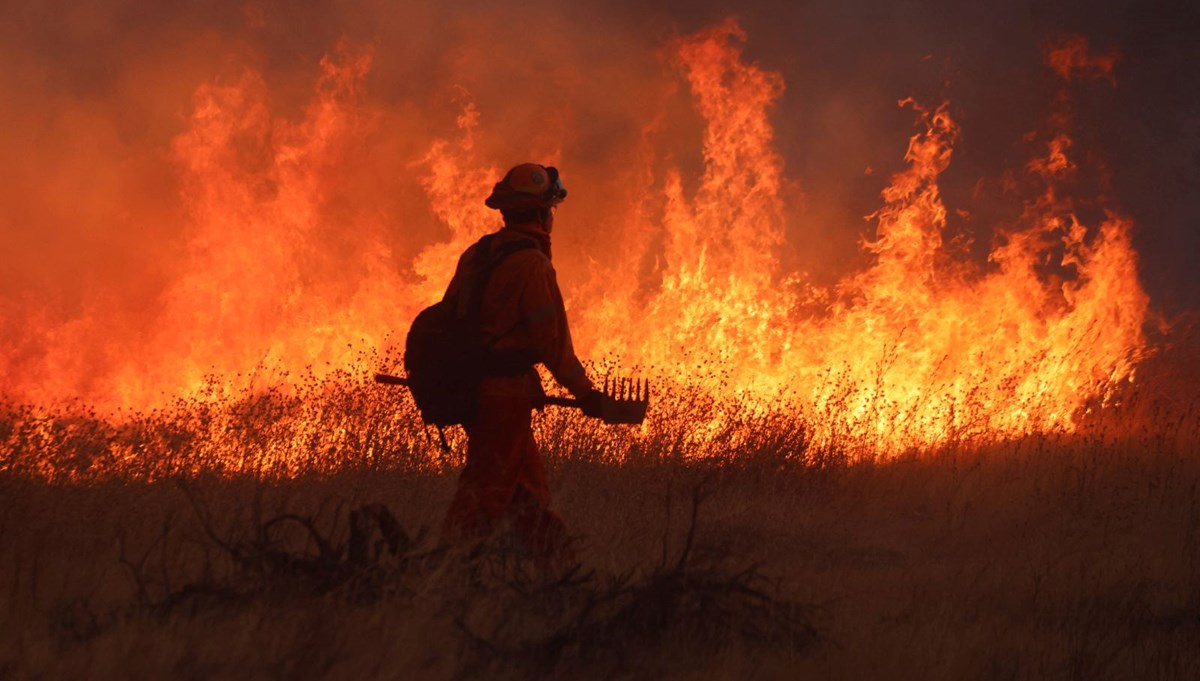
(486, 261)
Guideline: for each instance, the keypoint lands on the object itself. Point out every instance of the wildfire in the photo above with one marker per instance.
(921, 347)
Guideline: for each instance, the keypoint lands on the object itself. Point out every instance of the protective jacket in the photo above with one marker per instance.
(522, 311)
(504, 481)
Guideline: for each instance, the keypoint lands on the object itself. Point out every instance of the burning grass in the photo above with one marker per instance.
(341, 422)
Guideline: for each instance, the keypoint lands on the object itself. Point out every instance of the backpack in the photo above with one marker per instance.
(445, 356)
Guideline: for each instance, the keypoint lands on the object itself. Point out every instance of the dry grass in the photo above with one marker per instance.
(1044, 559)
(217, 541)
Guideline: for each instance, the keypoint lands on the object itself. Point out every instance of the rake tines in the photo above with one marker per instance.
(627, 400)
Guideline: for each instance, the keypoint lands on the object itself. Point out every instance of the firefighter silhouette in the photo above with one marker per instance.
(521, 314)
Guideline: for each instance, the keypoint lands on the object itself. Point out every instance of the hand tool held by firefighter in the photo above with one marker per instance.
(622, 401)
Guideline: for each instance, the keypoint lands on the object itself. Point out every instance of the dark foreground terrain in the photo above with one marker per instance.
(1073, 558)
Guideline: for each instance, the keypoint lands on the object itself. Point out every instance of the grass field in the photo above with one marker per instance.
(255, 540)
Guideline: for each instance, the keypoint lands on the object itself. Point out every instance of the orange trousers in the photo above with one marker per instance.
(504, 482)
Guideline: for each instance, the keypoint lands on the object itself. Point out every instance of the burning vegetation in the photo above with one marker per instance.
(292, 289)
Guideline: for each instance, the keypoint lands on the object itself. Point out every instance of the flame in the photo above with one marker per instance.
(1070, 56)
(920, 347)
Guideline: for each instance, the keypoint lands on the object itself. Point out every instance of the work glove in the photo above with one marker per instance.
(592, 403)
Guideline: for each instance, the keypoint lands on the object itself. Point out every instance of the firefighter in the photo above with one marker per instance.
(521, 314)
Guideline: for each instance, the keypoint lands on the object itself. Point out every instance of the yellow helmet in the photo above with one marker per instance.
(529, 186)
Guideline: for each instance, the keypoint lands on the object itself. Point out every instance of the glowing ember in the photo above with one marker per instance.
(919, 348)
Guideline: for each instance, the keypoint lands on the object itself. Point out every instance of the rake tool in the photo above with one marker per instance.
(625, 400)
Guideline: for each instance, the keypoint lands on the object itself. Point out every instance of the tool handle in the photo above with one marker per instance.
(387, 379)
(563, 402)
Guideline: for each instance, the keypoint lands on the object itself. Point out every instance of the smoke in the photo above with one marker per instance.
(111, 230)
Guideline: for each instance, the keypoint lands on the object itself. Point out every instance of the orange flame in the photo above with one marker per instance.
(915, 350)
(919, 348)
